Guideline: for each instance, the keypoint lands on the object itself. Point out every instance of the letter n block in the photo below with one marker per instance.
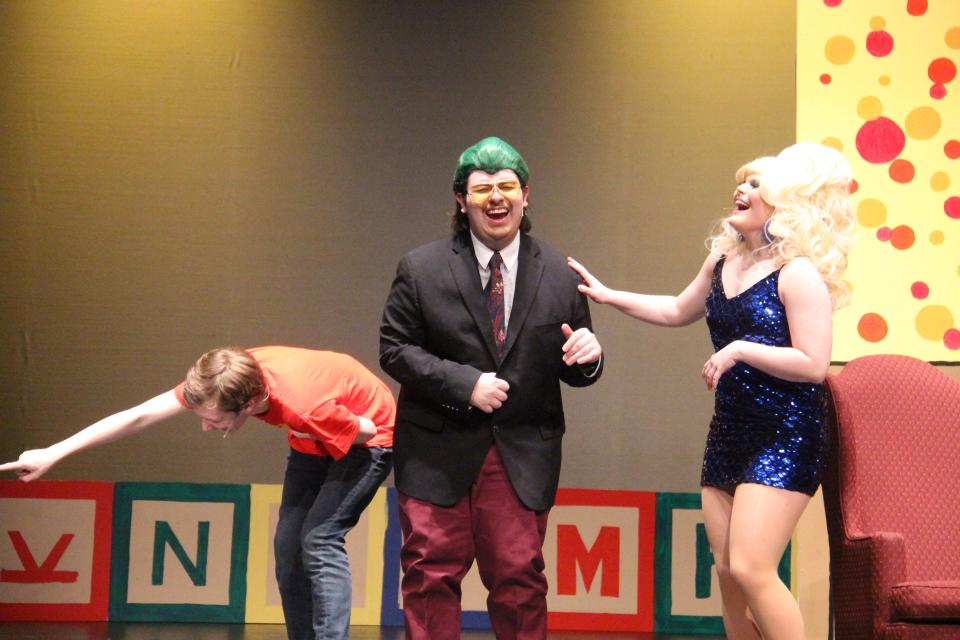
(54, 550)
(687, 587)
(599, 560)
(180, 552)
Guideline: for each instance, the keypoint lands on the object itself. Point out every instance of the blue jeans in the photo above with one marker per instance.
(322, 500)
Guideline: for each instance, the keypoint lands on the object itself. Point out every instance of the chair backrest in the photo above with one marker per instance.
(896, 459)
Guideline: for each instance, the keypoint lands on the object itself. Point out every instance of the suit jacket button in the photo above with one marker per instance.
(496, 428)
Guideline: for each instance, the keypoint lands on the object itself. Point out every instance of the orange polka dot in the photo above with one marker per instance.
(901, 171)
(883, 80)
(877, 23)
(902, 237)
(872, 327)
(937, 237)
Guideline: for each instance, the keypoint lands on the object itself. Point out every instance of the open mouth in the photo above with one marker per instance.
(498, 213)
(741, 205)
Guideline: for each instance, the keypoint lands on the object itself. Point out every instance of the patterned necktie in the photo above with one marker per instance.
(494, 296)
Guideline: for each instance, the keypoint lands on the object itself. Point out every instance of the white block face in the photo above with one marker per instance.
(33, 531)
(595, 539)
(177, 586)
(683, 569)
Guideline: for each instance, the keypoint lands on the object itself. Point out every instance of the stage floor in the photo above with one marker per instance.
(184, 631)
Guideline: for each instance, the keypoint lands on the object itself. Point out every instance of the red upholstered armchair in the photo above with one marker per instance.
(892, 497)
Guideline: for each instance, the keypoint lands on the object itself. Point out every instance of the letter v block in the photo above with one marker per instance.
(180, 552)
(54, 550)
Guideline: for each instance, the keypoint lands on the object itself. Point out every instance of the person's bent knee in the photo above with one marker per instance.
(751, 576)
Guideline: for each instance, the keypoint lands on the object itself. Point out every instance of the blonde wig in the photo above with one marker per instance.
(808, 186)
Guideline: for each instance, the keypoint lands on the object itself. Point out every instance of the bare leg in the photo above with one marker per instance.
(717, 505)
(761, 522)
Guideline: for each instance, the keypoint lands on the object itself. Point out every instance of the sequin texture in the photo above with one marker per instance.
(765, 430)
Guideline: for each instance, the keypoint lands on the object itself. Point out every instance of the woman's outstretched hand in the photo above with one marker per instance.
(591, 287)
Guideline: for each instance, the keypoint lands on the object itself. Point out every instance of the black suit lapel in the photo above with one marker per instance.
(463, 265)
(529, 272)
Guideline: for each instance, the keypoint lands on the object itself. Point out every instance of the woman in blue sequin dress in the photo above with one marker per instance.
(767, 290)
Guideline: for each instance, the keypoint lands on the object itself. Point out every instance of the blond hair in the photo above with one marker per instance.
(808, 186)
(227, 377)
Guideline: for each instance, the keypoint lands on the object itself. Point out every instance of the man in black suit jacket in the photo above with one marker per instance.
(480, 421)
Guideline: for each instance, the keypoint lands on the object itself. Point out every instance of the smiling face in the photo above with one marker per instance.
(494, 204)
(750, 211)
(213, 418)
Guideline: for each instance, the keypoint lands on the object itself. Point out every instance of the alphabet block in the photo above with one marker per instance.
(54, 550)
(180, 552)
(687, 587)
(599, 560)
(364, 548)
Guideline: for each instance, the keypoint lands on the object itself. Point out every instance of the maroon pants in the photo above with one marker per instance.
(440, 544)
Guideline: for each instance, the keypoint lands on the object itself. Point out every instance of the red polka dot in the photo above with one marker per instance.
(951, 339)
(832, 3)
(942, 70)
(951, 206)
(825, 78)
(872, 327)
(920, 290)
(880, 141)
(916, 7)
(854, 185)
(902, 237)
(883, 234)
(938, 92)
(901, 171)
(879, 43)
(952, 149)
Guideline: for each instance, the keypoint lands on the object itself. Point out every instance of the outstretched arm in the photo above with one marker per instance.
(668, 311)
(809, 317)
(34, 463)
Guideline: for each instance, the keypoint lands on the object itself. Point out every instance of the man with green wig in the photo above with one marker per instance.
(479, 328)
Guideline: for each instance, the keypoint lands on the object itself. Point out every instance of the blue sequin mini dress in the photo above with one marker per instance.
(765, 430)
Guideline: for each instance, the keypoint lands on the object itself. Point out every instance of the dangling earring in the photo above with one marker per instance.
(765, 233)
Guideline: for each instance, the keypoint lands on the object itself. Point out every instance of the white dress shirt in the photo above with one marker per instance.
(508, 270)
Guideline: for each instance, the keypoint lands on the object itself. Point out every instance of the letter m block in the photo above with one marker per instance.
(54, 550)
(599, 560)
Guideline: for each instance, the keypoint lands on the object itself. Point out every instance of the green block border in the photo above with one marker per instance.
(125, 493)
(663, 620)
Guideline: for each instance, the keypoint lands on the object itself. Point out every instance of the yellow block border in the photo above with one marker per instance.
(262, 497)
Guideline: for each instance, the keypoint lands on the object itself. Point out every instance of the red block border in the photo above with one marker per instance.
(102, 495)
(646, 503)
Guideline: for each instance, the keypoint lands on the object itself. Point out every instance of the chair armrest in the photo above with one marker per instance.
(870, 566)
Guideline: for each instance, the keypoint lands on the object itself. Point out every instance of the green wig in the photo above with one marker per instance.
(489, 155)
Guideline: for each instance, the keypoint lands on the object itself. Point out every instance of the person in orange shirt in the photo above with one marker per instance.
(339, 419)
